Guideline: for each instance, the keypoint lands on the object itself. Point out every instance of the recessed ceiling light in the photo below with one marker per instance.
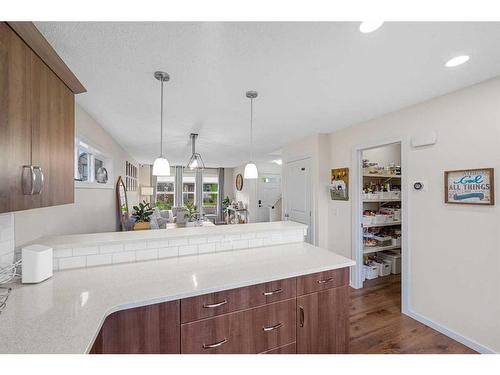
(369, 26)
(456, 61)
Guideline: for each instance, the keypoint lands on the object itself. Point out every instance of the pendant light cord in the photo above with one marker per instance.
(161, 120)
(251, 129)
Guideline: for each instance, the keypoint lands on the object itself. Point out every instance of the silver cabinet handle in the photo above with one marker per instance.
(279, 290)
(210, 306)
(272, 328)
(28, 180)
(325, 280)
(301, 316)
(215, 344)
(39, 169)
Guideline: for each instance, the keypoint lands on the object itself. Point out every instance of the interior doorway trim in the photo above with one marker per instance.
(312, 194)
(357, 233)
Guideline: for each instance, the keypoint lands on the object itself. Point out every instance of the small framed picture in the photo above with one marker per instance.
(470, 186)
(339, 187)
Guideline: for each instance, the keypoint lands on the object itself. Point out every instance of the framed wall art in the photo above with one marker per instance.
(339, 187)
(470, 186)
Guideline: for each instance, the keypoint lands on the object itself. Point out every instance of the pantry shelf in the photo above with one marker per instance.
(382, 225)
(377, 175)
(381, 200)
(374, 249)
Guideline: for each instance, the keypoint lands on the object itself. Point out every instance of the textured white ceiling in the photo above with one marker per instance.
(311, 77)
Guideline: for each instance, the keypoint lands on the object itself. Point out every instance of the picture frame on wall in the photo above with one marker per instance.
(470, 186)
(339, 186)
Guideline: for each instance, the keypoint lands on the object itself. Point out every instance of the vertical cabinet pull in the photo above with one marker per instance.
(301, 316)
(212, 305)
(40, 179)
(32, 180)
(215, 344)
(28, 180)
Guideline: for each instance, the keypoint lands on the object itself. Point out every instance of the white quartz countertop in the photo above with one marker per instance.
(73, 240)
(64, 314)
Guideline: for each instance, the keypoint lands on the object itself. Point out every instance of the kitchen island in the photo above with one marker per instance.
(65, 314)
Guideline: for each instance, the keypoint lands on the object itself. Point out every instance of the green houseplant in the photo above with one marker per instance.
(191, 211)
(142, 215)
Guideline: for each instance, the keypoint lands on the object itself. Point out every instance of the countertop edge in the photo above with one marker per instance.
(170, 298)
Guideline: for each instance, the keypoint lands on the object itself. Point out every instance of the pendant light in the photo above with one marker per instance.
(251, 169)
(161, 166)
(196, 161)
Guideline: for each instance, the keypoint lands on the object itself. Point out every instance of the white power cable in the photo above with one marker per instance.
(8, 273)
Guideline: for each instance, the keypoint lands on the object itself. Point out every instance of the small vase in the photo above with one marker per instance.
(141, 225)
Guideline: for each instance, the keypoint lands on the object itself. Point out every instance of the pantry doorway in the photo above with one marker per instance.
(380, 214)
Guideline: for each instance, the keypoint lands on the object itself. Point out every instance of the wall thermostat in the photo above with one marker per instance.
(420, 186)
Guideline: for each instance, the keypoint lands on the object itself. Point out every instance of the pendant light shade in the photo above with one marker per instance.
(251, 169)
(161, 166)
(195, 161)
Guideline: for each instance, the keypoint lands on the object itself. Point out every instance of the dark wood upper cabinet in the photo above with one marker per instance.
(36, 128)
(323, 322)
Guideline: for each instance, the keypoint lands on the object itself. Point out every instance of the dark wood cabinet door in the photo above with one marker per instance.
(323, 322)
(15, 120)
(153, 329)
(53, 134)
(245, 332)
(36, 127)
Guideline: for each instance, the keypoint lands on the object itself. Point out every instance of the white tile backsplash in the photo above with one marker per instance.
(6, 238)
(168, 252)
(106, 249)
(146, 254)
(99, 260)
(122, 257)
(63, 253)
(89, 250)
(134, 251)
(188, 250)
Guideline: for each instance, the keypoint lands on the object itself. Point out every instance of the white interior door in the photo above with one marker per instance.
(298, 194)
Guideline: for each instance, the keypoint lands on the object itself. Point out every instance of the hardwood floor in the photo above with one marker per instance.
(378, 326)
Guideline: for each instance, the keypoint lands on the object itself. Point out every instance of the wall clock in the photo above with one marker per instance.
(239, 182)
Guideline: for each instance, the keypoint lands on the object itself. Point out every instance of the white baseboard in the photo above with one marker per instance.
(450, 333)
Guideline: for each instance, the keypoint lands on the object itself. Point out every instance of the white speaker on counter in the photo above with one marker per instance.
(37, 263)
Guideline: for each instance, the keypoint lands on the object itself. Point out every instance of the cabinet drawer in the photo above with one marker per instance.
(250, 331)
(322, 280)
(213, 304)
(287, 349)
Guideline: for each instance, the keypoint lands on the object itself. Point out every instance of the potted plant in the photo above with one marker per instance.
(142, 215)
(190, 215)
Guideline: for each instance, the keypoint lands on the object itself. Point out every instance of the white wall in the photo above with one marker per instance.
(248, 195)
(384, 156)
(316, 148)
(454, 275)
(94, 209)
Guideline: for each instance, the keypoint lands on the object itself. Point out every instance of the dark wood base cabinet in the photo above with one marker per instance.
(307, 314)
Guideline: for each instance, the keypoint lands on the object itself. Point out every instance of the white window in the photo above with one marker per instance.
(210, 191)
(165, 191)
(188, 187)
(92, 167)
